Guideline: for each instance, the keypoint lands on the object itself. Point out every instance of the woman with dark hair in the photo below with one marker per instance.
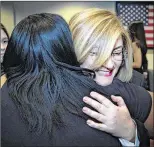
(135, 28)
(4, 42)
(140, 62)
(42, 96)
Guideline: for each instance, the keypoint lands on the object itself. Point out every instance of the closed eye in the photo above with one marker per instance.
(117, 53)
(93, 53)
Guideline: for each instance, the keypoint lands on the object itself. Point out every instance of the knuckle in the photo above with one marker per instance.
(112, 126)
(99, 118)
(98, 107)
(105, 101)
(92, 114)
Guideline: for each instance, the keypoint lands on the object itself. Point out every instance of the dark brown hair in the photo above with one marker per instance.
(4, 29)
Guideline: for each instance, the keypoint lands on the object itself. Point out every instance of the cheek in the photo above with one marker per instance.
(3, 45)
(117, 67)
(88, 62)
(118, 64)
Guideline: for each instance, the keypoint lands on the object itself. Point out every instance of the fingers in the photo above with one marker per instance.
(102, 99)
(94, 114)
(119, 100)
(99, 126)
(95, 104)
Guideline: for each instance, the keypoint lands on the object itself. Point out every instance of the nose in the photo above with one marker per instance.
(109, 64)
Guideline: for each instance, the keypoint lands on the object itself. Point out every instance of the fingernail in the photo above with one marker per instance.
(92, 93)
(89, 122)
(84, 109)
(85, 99)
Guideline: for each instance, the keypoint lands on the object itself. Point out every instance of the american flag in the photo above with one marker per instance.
(129, 12)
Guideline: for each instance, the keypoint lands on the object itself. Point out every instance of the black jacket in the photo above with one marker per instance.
(75, 131)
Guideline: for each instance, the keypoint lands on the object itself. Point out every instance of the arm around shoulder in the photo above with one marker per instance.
(137, 56)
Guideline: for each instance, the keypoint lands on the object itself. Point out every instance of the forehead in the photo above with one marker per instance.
(119, 42)
(3, 34)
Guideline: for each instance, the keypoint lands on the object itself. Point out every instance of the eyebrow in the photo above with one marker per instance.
(5, 38)
(117, 48)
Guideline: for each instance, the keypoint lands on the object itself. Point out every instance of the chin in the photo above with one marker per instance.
(103, 82)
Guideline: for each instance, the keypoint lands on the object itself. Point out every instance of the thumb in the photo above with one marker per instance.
(119, 100)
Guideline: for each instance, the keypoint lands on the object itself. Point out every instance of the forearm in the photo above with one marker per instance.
(137, 57)
(136, 65)
(131, 133)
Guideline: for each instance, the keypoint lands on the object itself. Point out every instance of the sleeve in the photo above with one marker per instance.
(126, 143)
(144, 63)
(138, 78)
(137, 99)
(141, 139)
(142, 134)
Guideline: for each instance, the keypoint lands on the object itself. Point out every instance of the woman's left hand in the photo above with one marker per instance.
(113, 119)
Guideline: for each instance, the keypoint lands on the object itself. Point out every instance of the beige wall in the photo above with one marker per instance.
(66, 9)
(150, 57)
(7, 16)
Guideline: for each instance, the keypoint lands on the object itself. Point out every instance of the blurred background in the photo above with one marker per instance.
(12, 12)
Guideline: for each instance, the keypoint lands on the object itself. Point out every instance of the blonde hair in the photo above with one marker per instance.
(100, 27)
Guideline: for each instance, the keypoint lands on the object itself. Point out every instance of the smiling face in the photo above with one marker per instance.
(97, 30)
(4, 42)
(106, 73)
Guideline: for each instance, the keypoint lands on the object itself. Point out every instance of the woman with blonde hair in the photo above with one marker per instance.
(103, 45)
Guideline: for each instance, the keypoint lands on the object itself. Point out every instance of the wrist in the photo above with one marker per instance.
(131, 132)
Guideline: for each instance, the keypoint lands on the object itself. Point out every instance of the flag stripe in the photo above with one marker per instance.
(150, 45)
(151, 21)
(149, 38)
(149, 42)
(151, 10)
(149, 35)
(150, 14)
(151, 24)
(149, 31)
(151, 17)
(148, 27)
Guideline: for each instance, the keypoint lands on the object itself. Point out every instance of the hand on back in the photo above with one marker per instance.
(113, 119)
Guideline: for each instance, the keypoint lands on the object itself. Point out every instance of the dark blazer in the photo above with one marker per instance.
(74, 131)
(138, 79)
